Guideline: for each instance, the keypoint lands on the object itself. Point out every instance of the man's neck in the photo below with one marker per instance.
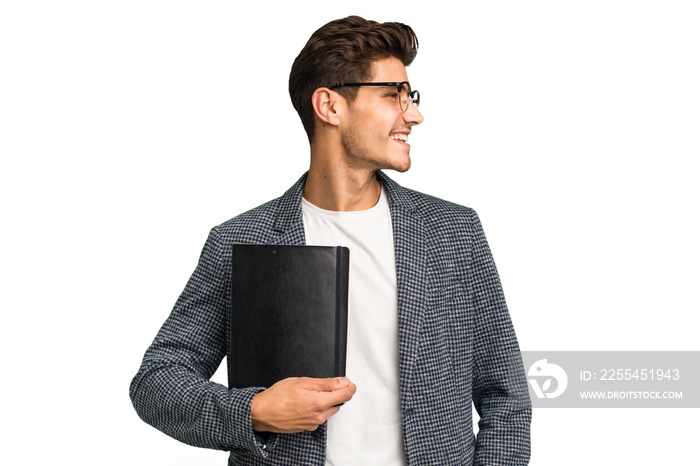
(334, 187)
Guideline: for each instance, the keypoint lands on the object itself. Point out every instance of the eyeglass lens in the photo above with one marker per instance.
(406, 96)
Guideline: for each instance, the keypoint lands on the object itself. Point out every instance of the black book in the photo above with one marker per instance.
(289, 313)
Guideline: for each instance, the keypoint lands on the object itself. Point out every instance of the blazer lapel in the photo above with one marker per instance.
(289, 223)
(409, 250)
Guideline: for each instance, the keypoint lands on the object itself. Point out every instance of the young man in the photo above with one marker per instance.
(429, 332)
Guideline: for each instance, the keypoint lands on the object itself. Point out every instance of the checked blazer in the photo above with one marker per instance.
(457, 345)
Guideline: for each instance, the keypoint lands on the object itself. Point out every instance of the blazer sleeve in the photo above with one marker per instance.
(172, 390)
(500, 392)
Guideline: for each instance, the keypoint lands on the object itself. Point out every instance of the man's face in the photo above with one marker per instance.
(375, 133)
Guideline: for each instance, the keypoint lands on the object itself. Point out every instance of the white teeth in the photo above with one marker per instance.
(400, 137)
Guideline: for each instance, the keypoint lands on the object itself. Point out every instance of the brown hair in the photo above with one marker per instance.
(343, 51)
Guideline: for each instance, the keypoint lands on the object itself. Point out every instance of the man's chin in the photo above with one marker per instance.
(401, 167)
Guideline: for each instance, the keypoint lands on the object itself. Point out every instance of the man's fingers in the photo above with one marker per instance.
(331, 392)
(326, 385)
(338, 397)
(323, 417)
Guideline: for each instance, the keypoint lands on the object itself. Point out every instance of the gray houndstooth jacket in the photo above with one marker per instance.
(456, 344)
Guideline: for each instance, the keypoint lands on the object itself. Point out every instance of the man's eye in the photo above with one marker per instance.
(393, 95)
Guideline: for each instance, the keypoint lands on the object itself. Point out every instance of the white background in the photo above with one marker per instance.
(128, 129)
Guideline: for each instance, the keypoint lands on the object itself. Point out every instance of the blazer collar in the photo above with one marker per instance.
(289, 210)
(398, 196)
(288, 221)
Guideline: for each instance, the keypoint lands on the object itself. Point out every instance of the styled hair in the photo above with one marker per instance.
(343, 51)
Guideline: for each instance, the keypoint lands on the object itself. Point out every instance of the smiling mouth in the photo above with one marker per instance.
(399, 137)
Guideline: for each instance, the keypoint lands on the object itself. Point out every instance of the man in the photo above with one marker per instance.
(429, 332)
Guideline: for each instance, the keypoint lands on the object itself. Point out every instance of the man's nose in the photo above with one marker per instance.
(412, 115)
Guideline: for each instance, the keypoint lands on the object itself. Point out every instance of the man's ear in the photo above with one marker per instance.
(327, 105)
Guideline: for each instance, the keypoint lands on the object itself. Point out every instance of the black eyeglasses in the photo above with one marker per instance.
(403, 89)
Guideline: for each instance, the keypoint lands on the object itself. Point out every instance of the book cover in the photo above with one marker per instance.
(288, 315)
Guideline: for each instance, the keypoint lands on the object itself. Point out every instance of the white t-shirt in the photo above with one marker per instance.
(367, 429)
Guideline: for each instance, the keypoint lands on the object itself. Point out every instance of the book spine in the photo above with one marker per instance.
(341, 307)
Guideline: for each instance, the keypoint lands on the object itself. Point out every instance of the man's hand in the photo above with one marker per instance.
(296, 404)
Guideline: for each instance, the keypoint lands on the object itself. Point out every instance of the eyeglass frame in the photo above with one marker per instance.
(413, 95)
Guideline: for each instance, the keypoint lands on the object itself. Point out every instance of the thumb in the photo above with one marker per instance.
(327, 385)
